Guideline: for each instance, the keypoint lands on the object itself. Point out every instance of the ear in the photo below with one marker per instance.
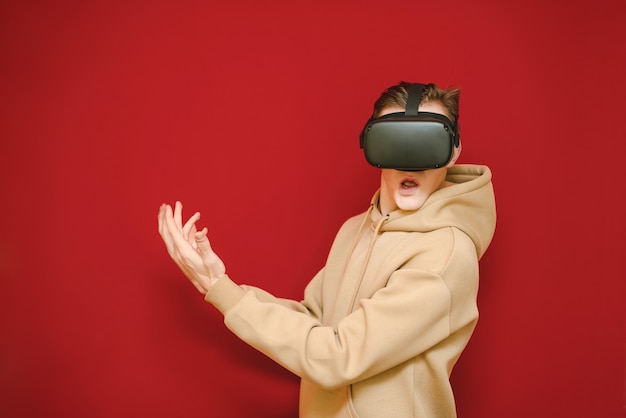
(455, 155)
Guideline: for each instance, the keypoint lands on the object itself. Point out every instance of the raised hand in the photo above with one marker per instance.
(190, 249)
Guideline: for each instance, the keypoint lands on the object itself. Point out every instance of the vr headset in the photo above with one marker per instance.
(410, 141)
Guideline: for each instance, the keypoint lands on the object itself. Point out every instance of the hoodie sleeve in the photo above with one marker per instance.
(400, 321)
(232, 294)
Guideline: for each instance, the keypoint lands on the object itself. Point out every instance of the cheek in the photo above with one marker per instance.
(434, 180)
(388, 178)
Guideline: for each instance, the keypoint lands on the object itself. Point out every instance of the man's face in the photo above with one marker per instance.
(408, 190)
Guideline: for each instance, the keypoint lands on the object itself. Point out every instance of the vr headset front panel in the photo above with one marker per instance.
(402, 142)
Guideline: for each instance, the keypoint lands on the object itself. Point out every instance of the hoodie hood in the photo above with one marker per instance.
(467, 202)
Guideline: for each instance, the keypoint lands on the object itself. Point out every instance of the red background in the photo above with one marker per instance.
(250, 112)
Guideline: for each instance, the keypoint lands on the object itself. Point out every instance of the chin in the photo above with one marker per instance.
(409, 203)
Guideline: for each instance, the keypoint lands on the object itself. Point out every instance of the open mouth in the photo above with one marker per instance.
(408, 184)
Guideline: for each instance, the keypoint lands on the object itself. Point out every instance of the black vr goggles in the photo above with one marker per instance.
(410, 141)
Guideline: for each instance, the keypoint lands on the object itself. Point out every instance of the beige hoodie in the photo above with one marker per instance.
(386, 319)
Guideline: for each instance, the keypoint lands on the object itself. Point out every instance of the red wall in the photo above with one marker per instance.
(250, 112)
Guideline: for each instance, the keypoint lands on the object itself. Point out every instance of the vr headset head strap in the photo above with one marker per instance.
(412, 105)
(414, 98)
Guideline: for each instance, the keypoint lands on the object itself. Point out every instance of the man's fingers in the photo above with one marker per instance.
(178, 215)
(192, 235)
(189, 249)
(211, 261)
(189, 225)
(204, 245)
(176, 243)
(203, 242)
(167, 233)
(172, 226)
(160, 218)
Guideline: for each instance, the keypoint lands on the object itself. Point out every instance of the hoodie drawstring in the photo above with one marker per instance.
(367, 254)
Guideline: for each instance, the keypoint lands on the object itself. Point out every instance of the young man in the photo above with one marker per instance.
(383, 323)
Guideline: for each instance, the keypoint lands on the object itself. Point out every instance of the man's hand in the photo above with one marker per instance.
(190, 249)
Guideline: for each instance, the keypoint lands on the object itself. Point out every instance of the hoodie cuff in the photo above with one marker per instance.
(224, 294)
